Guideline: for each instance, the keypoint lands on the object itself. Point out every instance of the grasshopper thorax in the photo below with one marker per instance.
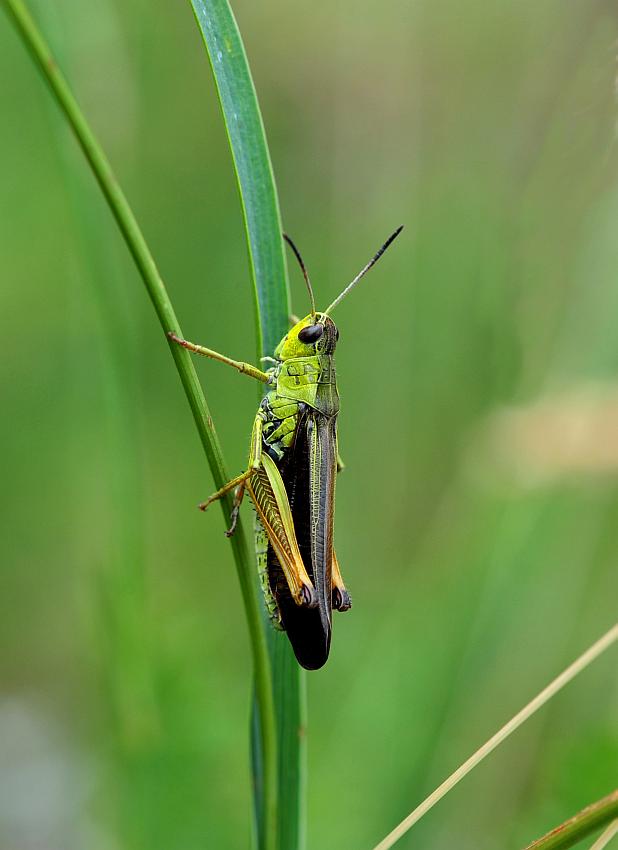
(315, 334)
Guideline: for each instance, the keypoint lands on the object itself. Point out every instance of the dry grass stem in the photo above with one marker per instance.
(501, 735)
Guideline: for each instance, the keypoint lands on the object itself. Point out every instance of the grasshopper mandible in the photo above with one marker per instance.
(293, 463)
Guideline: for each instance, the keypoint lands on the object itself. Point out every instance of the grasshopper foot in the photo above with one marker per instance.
(342, 601)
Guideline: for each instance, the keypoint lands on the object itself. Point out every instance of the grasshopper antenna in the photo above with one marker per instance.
(304, 270)
(364, 271)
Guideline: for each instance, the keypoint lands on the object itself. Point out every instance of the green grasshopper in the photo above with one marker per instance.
(293, 463)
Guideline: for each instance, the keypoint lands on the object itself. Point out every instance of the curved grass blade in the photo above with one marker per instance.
(256, 184)
(159, 297)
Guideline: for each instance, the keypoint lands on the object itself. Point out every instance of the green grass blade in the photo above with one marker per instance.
(606, 836)
(159, 297)
(584, 823)
(247, 139)
(245, 130)
(290, 705)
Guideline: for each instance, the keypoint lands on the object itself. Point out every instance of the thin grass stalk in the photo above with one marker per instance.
(119, 206)
(567, 675)
(121, 625)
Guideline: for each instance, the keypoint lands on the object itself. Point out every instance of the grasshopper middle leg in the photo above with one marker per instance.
(240, 482)
(243, 368)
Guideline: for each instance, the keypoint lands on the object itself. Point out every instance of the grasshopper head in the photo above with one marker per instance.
(315, 334)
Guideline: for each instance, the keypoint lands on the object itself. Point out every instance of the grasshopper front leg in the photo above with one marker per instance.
(243, 368)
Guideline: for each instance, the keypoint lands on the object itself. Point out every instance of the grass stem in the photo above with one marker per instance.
(582, 824)
(606, 836)
(159, 297)
(591, 654)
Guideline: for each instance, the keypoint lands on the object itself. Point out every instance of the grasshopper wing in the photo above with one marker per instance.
(269, 496)
(308, 473)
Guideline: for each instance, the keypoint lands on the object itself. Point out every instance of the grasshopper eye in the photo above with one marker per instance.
(311, 333)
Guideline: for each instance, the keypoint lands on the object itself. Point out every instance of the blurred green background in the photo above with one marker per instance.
(477, 517)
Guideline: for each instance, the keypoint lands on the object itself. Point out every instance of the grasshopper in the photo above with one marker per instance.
(293, 461)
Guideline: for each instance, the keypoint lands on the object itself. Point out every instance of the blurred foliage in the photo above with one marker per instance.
(490, 131)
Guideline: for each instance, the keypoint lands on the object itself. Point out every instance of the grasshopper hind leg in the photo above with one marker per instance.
(342, 601)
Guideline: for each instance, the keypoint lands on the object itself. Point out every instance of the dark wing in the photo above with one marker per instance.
(308, 472)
